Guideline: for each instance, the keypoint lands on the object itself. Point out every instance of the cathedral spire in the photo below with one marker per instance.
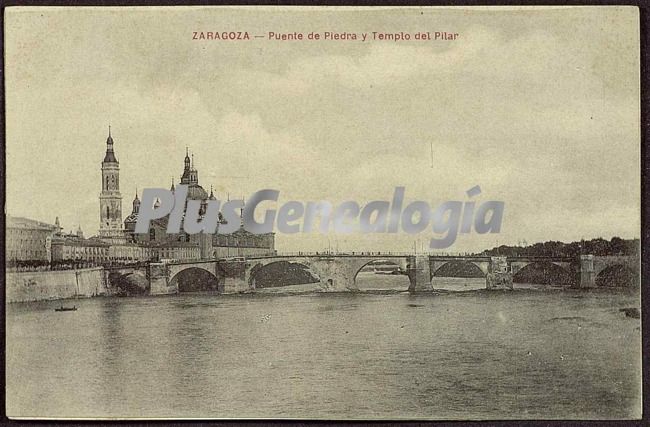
(187, 159)
(136, 203)
(241, 212)
(110, 154)
(190, 175)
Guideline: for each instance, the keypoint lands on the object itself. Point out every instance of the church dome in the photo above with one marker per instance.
(132, 218)
(196, 192)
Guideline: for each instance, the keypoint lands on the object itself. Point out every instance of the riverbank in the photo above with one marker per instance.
(28, 286)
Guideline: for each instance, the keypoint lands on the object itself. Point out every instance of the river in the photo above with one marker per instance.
(527, 353)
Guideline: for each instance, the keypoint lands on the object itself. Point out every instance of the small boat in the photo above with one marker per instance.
(62, 308)
(631, 312)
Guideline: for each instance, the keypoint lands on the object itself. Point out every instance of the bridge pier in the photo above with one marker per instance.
(233, 285)
(498, 276)
(233, 277)
(419, 273)
(158, 275)
(587, 272)
(334, 276)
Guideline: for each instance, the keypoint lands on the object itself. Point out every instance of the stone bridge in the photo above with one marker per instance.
(337, 272)
(592, 266)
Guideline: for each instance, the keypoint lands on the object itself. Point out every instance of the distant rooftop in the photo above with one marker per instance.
(28, 224)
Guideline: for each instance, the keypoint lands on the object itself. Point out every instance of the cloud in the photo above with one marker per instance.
(544, 116)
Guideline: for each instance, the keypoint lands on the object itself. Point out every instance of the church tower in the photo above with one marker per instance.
(190, 174)
(110, 199)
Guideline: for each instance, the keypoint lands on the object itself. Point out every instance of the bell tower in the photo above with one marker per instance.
(110, 199)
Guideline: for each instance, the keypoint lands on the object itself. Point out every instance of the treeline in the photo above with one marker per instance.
(598, 247)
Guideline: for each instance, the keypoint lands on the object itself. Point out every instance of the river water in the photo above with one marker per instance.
(528, 353)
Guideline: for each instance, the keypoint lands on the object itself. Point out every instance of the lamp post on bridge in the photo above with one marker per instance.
(221, 220)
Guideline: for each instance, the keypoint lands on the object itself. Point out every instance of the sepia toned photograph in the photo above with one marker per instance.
(323, 213)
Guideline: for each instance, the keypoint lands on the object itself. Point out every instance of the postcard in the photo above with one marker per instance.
(339, 213)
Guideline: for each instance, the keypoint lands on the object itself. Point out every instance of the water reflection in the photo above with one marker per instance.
(477, 354)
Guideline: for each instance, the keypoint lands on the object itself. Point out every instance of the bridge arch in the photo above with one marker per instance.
(176, 268)
(129, 281)
(401, 279)
(544, 273)
(617, 276)
(279, 271)
(460, 268)
(195, 279)
(600, 263)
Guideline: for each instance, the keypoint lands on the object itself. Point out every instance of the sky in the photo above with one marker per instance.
(540, 107)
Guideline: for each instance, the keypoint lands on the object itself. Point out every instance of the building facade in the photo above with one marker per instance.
(242, 243)
(75, 248)
(28, 240)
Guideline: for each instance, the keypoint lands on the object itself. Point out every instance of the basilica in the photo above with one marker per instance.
(239, 243)
(34, 243)
(120, 243)
(175, 246)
